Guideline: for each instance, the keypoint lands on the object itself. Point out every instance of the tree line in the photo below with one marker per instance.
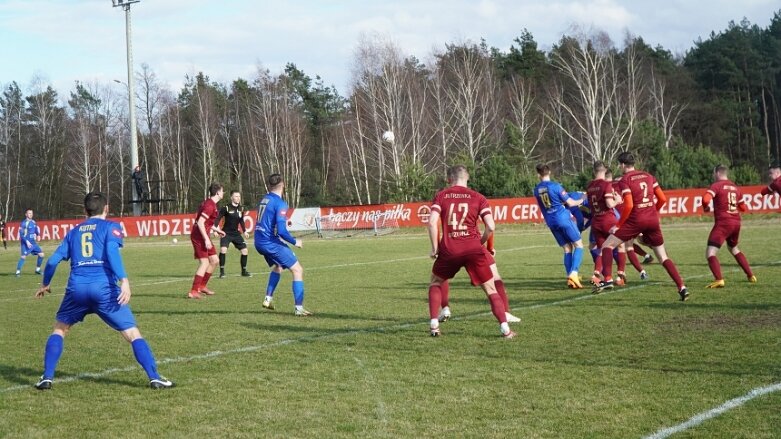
(500, 112)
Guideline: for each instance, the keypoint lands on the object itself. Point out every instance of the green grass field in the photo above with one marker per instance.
(622, 364)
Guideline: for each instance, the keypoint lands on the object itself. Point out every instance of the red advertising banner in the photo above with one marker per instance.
(681, 202)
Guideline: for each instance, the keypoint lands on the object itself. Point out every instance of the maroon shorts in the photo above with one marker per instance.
(649, 228)
(477, 265)
(724, 232)
(600, 227)
(199, 248)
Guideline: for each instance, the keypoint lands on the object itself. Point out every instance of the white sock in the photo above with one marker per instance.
(434, 323)
(446, 310)
(268, 298)
(504, 327)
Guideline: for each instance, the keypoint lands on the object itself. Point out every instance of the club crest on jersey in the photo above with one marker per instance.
(116, 233)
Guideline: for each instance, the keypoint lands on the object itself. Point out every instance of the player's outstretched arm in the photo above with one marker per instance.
(51, 268)
(42, 291)
(283, 233)
(124, 292)
(706, 199)
(118, 268)
(433, 233)
(490, 227)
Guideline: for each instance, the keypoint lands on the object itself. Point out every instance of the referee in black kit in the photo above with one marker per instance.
(234, 219)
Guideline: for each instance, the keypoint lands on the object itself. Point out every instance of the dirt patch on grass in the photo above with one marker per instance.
(757, 320)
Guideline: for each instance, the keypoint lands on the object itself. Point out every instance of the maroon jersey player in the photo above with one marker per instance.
(639, 215)
(601, 201)
(727, 205)
(461, 245)
(775, 180)
(203, 249)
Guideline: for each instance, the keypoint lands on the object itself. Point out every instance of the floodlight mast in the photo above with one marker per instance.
(131, 97)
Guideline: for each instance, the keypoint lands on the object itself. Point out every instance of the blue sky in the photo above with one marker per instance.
(62, 41)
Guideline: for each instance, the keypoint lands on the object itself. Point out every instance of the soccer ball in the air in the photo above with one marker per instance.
(174, 240)
(388, 137)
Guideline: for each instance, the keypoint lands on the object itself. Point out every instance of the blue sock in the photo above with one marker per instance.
(595, 252)
(577, 258)
(298, 292)
(145, 358)
(39, 263)
(19, 264)
(52, 355)
(273, 280)
(568, 262)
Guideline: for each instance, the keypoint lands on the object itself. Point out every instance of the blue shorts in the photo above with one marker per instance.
(30, 247)
(277, 254)
(565, 233)
(95, 298)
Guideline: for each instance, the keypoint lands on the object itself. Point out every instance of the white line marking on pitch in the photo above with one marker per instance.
(712, 413)
(260, 347)
(214, 354)
(285, 342)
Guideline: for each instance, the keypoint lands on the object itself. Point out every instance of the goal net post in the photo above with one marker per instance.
(336, 225)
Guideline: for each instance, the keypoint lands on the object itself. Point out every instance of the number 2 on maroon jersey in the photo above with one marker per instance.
(455, 222)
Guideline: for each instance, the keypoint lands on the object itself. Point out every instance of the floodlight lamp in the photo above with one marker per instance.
(123, 2)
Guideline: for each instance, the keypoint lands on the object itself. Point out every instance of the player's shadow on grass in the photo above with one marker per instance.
(510, 284)
(314, 331)
(716, 368)
(27, 376)
(194, 312)
(692, 303)
(162, 275)
(20, 375)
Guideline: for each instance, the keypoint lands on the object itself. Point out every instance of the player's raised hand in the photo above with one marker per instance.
(124, 292)
(42, 291)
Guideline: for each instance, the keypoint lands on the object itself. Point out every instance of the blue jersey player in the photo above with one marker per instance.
(554, 203)
(271, 236)
(96, 266)
(29, 232)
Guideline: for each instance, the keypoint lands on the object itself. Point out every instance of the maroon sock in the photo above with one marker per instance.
(639, 250)
(632, 256)
(621, 262)
(503, 294)
(669, 265)
(197, 282)
(497, 307)
(434, 300)
(206, 278)
(598, 263)
(607, 263)
(715, 267)
(741, 258)
(445, 296)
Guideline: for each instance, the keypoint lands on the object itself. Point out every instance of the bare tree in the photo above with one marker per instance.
(470, 88)
(525, 115)
(664, 112)
(595, 96)
(11, 112)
